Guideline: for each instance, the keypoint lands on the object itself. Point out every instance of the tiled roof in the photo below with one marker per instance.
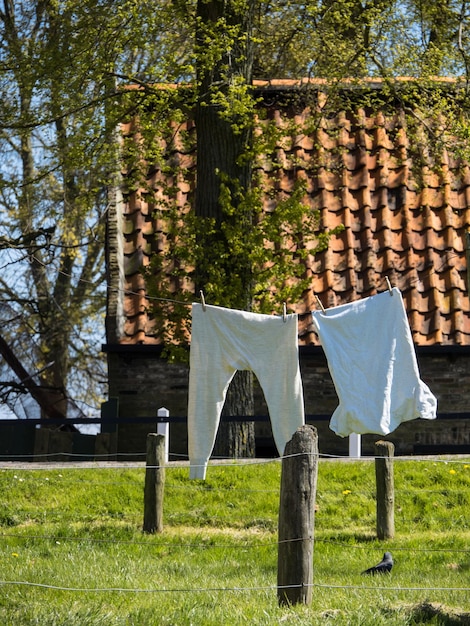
(359, 173)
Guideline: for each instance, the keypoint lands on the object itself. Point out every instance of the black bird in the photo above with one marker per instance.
(383, 567)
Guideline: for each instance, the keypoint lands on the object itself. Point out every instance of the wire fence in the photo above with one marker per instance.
(30, 461)
(20, 474)
(190, 590)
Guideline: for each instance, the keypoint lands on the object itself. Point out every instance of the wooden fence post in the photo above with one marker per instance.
(385, 490)
(154, 484)
(296, 517)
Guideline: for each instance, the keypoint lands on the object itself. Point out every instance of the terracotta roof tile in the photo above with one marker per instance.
(358, 173)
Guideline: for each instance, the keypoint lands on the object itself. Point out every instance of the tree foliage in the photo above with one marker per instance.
(63, 64)
(59, 67)
(242, 247)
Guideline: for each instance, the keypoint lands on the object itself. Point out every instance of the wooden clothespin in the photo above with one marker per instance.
(284, 312)
(201, 293)
(389, 285)
(319, 302)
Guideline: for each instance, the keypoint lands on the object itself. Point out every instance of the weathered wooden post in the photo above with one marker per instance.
(154, 484)
(296, 517)
(385, 491)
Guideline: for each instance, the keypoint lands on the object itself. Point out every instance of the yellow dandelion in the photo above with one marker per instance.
(452, 471)
(15, 554)
(346, 492)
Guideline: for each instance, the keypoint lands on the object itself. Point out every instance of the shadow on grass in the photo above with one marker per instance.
(432, 612)
(347, 537)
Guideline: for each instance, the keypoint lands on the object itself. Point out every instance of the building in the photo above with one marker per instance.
(405, 214)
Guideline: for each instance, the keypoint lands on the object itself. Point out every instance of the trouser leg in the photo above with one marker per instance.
(282, 388)
(207, 390)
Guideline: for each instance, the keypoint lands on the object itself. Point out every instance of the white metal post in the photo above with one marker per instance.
(354, 445)
(163, 428)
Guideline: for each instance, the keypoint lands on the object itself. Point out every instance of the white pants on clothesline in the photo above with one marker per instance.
(224, 341)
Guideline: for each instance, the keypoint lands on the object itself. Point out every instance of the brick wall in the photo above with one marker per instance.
(143, 382)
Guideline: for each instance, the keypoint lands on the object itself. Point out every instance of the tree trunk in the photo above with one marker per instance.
(237, 439)
(222, 141)
(45, 398)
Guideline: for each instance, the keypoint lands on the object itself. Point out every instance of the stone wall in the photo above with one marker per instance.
(143, 381)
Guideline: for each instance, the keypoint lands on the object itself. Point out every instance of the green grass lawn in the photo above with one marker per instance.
(73, 552)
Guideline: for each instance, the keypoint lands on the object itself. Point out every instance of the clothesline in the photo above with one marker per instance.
(203, 302)
(370, 356)
(431, 270)
(284, 312)
(129, 292)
